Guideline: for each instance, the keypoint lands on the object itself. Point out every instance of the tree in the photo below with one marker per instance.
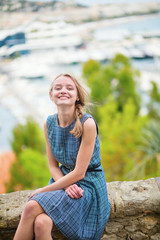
(113, 88)
(91, 67)
(148, 164)
(154, 104)
(126, 85)
(120, 134)
(30, 171)
(117, 78)
(28, 135)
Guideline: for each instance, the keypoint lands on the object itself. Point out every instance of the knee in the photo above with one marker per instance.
(42, 225)
(30, 209)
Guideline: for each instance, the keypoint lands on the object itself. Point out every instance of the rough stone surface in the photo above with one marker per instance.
(135, 211)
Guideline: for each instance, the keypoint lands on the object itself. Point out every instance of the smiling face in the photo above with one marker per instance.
(64, 91)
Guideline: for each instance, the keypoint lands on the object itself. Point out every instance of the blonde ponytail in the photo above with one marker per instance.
(78, 128)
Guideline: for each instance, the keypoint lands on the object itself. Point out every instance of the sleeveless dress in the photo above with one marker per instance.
(84, 218)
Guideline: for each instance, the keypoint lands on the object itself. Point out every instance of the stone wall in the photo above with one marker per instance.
(135, 213)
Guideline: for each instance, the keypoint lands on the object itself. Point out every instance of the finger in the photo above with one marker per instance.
(70, 194)
(74, 193)
(80, 193)
(77, 191)
(77, 187)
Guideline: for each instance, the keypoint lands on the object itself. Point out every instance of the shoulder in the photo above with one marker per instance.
(49, 122)
(88, 121)
(85, 117)
(89, 132)
(89, 129)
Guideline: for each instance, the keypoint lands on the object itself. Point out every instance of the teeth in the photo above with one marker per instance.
(63, 97)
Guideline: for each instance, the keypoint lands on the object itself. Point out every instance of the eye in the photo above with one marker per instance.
(70, 88)
(57, 88)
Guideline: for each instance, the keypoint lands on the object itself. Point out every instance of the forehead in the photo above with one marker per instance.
(63, 80)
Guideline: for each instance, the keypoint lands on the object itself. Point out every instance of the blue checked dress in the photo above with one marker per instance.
(84, 218)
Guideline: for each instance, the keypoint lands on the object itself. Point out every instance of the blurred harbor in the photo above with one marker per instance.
(37, 46)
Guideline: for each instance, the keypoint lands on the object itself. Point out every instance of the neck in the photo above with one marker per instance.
(66, 116)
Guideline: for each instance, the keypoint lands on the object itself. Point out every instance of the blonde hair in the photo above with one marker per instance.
(79, 105)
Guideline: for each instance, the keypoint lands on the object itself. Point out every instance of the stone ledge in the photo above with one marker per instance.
(135, 211)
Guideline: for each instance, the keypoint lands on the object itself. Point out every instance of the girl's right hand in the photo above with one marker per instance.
(74, 191)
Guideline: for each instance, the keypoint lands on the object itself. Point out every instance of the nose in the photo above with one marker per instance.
(63, 90)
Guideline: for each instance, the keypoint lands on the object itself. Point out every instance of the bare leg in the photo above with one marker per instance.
(42, 227)
(25, 227)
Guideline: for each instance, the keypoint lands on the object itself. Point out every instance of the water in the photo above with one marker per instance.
(133, 26)
(7, 122)
(151, 65)
(137, 26)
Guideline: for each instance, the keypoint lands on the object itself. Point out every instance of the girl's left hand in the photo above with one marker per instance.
(74, 191)
(39, 190)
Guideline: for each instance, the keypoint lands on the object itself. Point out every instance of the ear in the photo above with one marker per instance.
(50, 95)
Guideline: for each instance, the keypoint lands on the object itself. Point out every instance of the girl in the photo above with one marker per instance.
(76, 198)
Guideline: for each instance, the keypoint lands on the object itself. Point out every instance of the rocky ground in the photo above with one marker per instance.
(135, 212)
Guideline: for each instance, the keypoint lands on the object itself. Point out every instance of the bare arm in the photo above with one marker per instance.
(83, 158)
(54, 169)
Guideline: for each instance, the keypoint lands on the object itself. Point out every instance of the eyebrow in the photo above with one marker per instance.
(58, 84)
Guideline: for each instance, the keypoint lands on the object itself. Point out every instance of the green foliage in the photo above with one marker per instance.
(113, 88)
(29, 171)
(120, 134)
(126, 88)
(116, 78)
(155, 94)
(97, 80)
(149, 164)
(120, 60)
(154, 104)
(28, 135)
(90, 67)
